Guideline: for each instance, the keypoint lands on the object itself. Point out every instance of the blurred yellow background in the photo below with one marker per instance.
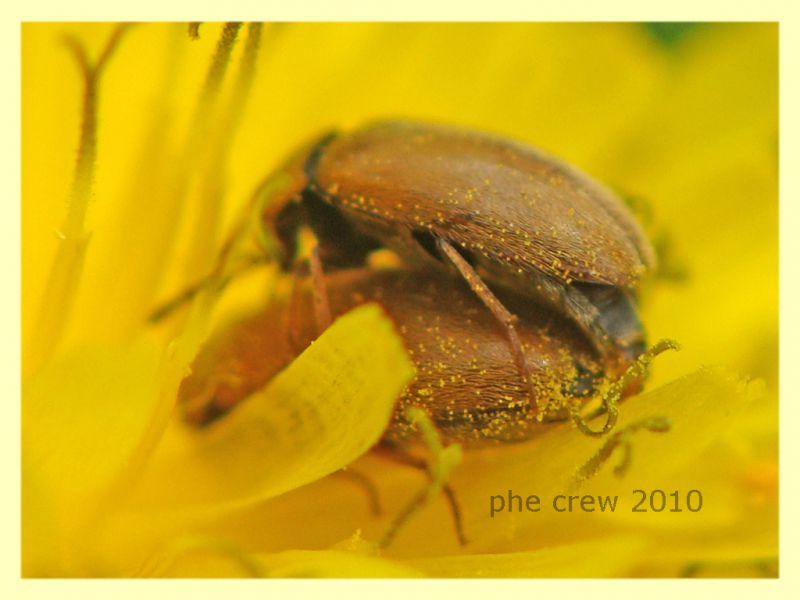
(683, 119)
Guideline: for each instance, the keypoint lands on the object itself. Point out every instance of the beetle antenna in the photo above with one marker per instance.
(611, 398)
(252, 210)
(212, 279)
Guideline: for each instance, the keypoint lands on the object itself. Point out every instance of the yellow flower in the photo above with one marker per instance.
(115, 485)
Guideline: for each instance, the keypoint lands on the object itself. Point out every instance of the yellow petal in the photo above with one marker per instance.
(693, 132)
(327, 408)
(298, 563)
(209, 557)
(701, 406)
(606, 557)
(83, 416)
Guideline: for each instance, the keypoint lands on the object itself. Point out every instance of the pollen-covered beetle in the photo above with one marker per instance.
(501, 214)
(553, 255)
(495, 211)
(465, 378)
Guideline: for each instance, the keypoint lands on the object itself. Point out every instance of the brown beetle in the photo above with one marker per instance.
(465, 379)
(490, 209)
(561, 253)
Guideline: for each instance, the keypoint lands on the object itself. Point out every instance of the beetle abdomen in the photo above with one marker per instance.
(466, 378)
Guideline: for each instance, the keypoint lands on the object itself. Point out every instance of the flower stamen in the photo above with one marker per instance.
(65, 274)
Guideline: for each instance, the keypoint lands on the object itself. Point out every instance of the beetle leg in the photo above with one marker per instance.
(418, 502)
(319, 294)
(215, 277)
(501, 313)
(403, 457)
(622, 440)
(365, 483)
(295, 317)
(322, 305)
(224, 270)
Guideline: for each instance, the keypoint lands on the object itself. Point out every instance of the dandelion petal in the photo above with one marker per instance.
(326, 409)
(83, 416)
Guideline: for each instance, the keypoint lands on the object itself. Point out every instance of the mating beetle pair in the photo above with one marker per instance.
(491, 209)
(515, 298)
(505, 218)
(464, 380)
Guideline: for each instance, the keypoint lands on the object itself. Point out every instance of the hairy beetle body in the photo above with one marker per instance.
(466, 380)
(510, 206)
(521, 219)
